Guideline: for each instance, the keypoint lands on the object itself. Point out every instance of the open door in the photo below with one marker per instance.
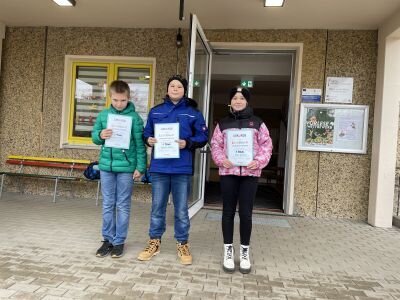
(199, 74)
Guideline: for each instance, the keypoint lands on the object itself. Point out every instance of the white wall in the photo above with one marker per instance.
(386, 117)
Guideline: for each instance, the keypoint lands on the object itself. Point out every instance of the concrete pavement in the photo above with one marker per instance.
(47, 252)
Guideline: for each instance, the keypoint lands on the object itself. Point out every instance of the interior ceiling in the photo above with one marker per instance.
(264, 67)
(261, 87)
(233, 14)
(271, 86)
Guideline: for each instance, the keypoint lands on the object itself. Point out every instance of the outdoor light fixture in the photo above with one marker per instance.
(179, 39)
(65, 2)
(273, 3)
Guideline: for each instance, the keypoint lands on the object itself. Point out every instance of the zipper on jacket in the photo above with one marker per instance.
(240, 128)
(111, 154)
(126, 157)
(111, 159)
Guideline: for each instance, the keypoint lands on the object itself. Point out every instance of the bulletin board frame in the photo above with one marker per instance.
(333, 128)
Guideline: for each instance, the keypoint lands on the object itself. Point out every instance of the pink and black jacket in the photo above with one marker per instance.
(262, 148)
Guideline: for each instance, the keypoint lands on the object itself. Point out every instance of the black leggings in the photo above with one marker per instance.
(244, 189)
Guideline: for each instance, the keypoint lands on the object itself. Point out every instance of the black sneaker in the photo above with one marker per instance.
(105, 249)
(117, 251)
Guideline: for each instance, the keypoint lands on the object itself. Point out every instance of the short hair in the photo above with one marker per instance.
(120, 87)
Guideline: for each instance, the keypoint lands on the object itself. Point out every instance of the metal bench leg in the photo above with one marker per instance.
(1, 187)
(71, 191)
(55, 191)
(98, 190)
(20, 184)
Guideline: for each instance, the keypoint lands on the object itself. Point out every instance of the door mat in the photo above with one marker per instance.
(269, 221)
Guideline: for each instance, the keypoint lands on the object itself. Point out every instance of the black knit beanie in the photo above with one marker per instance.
(245, 92)
(181, 80)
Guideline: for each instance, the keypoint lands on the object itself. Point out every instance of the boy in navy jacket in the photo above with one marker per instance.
(173, 175)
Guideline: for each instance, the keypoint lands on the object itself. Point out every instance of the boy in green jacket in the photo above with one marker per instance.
(118, 129)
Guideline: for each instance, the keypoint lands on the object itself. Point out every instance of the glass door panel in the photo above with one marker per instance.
(199, 90)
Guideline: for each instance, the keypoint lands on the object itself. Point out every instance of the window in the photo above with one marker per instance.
(86, 81)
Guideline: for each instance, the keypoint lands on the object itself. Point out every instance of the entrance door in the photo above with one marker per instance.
(199, 89)
(268, 76)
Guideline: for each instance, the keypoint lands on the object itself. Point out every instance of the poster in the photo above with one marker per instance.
(339, 90)
(320, 126)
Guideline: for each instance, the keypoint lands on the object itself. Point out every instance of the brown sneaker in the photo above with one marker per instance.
(152, 248)
(184, 253)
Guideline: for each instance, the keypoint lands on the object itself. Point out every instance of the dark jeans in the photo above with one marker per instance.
(162, 186)
(234, 189)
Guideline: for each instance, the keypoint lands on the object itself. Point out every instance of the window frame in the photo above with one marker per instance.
(112, 63)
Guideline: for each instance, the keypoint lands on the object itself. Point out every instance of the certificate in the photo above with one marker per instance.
(240, 146)
(121, 131)
(167, 135)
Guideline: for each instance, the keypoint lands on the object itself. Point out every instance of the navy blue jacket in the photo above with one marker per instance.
(192, 129)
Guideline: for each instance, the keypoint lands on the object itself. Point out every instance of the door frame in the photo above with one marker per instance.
(195, 28)
(294, 107)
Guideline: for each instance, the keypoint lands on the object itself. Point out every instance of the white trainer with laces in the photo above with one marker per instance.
(245, 265)
(229, 258)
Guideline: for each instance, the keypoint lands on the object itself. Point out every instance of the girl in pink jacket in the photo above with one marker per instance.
(239, 170)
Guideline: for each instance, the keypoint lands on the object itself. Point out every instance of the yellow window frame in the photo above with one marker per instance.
(139, 66)
(112, 72)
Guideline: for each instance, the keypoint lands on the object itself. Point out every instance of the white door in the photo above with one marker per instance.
(199, 74)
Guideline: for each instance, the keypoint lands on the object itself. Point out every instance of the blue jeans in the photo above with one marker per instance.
(117, 191)
(162, 186)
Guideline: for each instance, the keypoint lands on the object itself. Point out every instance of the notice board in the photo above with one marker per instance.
(333, 128)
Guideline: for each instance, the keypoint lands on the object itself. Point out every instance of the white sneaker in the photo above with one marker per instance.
(229, 258)
(245, 265)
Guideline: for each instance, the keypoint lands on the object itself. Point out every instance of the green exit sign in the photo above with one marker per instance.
(196, 83)
(247, 83)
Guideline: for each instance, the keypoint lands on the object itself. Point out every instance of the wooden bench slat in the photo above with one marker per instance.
(46, 164)
(50, 159)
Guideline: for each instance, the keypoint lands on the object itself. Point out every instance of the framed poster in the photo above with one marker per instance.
(333, 128)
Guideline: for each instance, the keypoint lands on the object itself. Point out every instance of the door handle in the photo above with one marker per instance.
(207, 149)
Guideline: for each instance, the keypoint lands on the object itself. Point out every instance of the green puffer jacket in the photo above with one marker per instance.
(121, 160)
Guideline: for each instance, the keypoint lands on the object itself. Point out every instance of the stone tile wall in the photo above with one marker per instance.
(31, 89)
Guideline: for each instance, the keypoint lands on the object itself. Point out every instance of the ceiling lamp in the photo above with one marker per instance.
(65, 2)
(273, 3)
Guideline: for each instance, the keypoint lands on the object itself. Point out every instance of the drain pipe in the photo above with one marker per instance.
(2, 36)
(398, 194)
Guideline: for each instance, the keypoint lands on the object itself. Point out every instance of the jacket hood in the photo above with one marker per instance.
(191, 102)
